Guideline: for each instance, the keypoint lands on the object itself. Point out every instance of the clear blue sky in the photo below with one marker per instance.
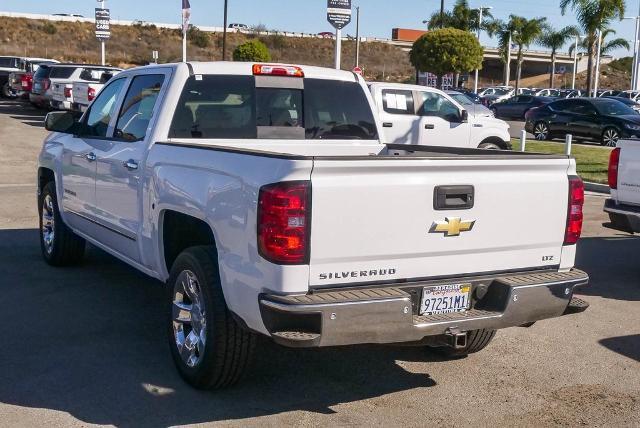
(378, 16)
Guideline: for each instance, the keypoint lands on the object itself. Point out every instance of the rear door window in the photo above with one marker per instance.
(230, 107)
(398, 102)
(138, 106)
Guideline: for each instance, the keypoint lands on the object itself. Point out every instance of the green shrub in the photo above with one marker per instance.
(253, 50)
(49, 28)
(197, 37)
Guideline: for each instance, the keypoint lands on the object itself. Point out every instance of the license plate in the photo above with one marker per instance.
(445, 299)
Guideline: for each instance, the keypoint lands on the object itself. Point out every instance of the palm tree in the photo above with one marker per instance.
(556, 40)
(607, 45)
(594, 16)
(462, 17)
(521, 32)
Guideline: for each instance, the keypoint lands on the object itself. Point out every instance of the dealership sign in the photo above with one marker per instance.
(339, 13)
(103, 21)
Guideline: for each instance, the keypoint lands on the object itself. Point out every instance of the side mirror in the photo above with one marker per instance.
(464, 116)
(65, 122)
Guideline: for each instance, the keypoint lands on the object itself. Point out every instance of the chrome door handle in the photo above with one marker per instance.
(131, 165)
(91, 157)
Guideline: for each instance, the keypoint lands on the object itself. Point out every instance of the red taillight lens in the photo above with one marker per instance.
(614, 161)
(91, 94)
(277, 70)
(25, 81)
(46, 84)
(574, 211)
(284, 213)
(68, 92)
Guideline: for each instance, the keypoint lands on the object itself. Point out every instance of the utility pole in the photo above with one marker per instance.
(357, 36)
(480, 12)
(102, 45)
(224, 31)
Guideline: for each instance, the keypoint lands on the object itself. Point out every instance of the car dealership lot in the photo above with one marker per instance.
(86, 345)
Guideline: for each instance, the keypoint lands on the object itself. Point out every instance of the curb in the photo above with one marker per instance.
(597, 188)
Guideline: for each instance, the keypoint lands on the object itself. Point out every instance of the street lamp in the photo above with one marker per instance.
(480, 10)
(636, 43)
(508, 71)
(598, 58)
(575, 61)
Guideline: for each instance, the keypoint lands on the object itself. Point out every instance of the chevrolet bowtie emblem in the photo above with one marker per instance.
(452, 226)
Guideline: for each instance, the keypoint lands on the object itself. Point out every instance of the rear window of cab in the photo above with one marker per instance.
(232, 107)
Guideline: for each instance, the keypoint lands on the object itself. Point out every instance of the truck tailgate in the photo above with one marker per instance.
(628, 191)
(374, 220)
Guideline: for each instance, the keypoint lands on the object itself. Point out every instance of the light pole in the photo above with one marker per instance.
(357, 36)
(636, 44)
(224, 31)
(441, 13)
(575, 62)
(599, 51)
(507, 77)
(481, 10)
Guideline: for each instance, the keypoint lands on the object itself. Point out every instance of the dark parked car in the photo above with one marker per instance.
(517, 107)
(626, 101)
(600, 119)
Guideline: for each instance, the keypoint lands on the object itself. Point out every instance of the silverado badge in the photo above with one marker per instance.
(452, 226)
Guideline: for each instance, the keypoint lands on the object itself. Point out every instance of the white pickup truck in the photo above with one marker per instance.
(266, 199)
(623, 206)
(412, 114)
(89, 85)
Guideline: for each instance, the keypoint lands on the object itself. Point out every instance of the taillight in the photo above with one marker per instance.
(284, 214)
(46, 84)
(24, 81)
(574, 211)
(277, 70)
(91, 94)
(614, 162)
(68, 92)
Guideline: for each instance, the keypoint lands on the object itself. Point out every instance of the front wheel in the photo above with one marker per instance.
(610, 137)
(209, 348)
(59, 245)
(541, 131)
(489, 146)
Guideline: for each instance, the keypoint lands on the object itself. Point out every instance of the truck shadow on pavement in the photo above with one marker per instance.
(23, 112)
(90, 341)
(612, 266)
(629, 346)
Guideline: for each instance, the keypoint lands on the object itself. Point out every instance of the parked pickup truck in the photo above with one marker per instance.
(623, 206)
(92, 82)
(412, 114)
(265, 198)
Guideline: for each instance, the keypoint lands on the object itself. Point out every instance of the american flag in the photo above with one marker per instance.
(186, 15)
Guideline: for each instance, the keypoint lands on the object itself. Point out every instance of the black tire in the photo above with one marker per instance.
(610, 137)
(6, 91)
(477, 340)
(63, 247)
(227, 348)
(489, 146)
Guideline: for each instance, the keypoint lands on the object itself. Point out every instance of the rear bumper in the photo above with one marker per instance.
(625, 218)
(390, 314)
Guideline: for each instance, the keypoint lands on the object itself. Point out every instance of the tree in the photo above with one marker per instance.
(445, 51)
(607, 45)
(592, 16)
(253, 50)
(555, 40)
(461, 17)
(520, 31)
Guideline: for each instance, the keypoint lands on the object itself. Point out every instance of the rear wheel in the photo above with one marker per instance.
(209, 348)
(477, 340)
(610, 137)
(541, 131)
(6, 91)
(59, 245)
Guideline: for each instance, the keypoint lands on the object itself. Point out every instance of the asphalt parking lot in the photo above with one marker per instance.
(86, 345)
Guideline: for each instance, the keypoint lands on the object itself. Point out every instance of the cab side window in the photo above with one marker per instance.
(435, 105)
(102, 110)
(138, 107)
(398, 102)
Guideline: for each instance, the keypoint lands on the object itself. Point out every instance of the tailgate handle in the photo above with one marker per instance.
(453, 198)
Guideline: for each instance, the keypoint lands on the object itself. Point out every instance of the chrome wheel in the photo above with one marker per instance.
(541, 131)
(610, 137)
(189, 318)
(48, 224)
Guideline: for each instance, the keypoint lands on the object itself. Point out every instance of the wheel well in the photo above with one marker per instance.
(181, 231)
(45, 175)
(497, 141)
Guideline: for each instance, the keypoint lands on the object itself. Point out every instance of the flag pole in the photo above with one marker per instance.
(186, 15)
(184, 46)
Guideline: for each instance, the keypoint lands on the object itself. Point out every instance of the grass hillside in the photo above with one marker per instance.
(132, 45)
